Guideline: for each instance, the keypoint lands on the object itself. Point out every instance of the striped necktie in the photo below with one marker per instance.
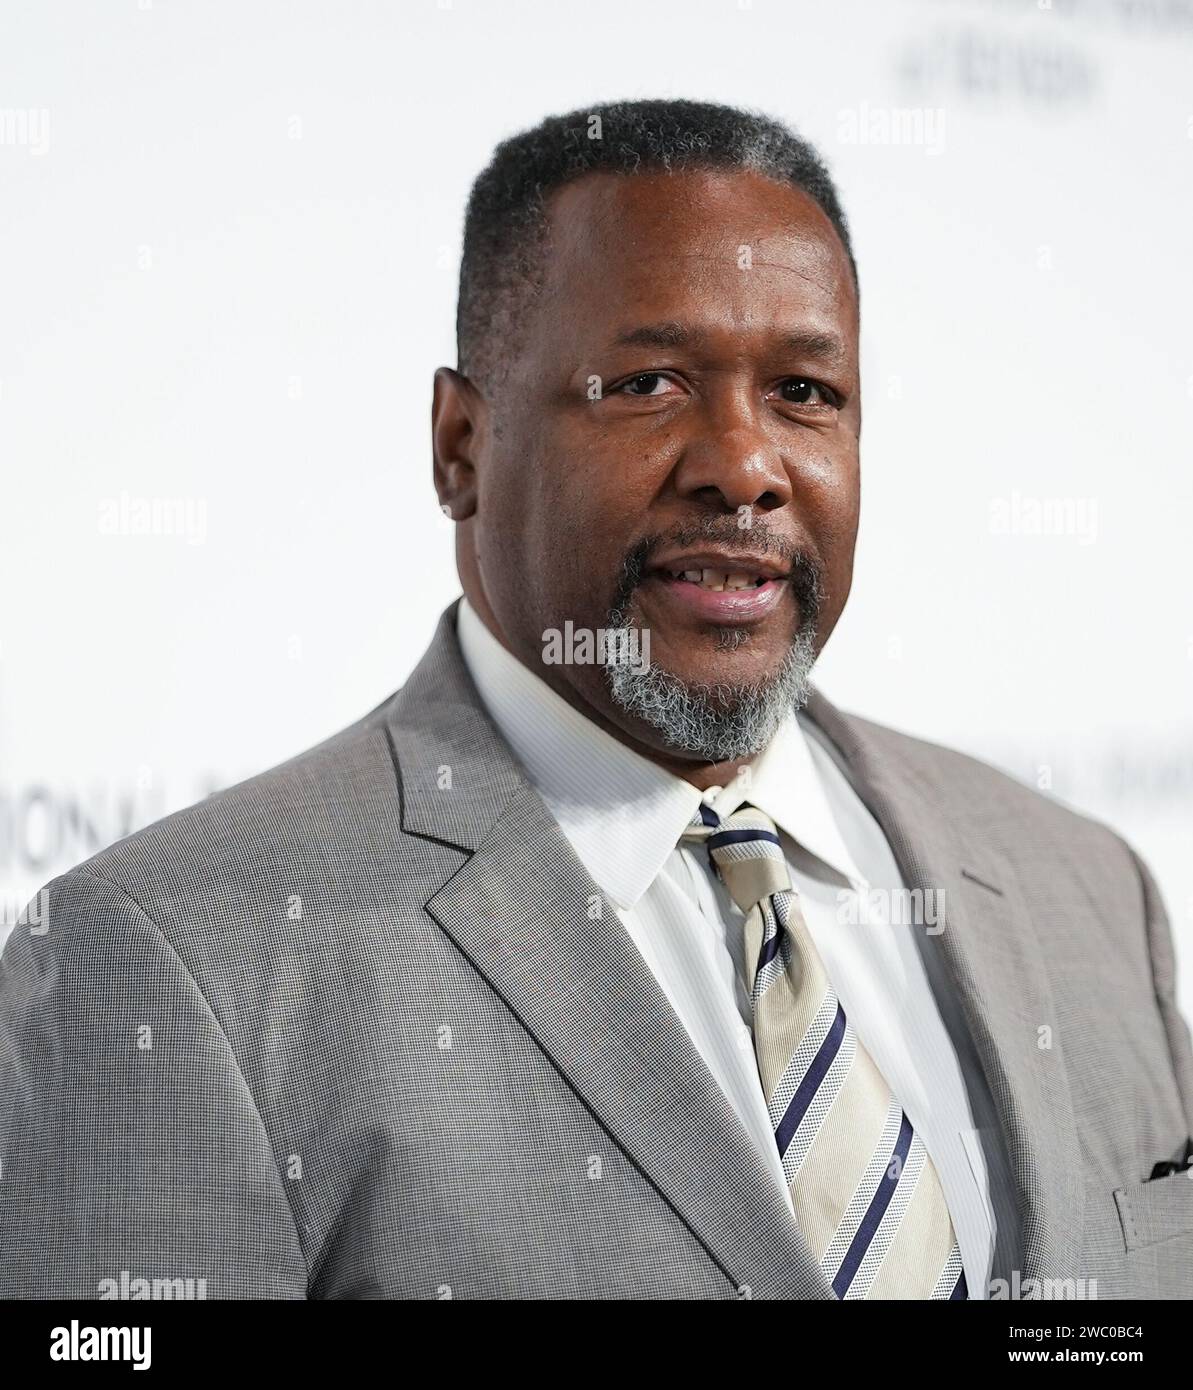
(866, 1194)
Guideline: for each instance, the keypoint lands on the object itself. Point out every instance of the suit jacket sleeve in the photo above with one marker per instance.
(1163, 958)
(131, 1147)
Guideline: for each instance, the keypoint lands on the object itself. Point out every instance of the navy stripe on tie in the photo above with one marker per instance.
(960, 1289)
(708, 815)
(770, 949)
(808, 1087)
(737, 837)
(874, 1214)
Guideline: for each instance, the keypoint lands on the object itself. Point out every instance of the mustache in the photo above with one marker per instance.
(805, 576)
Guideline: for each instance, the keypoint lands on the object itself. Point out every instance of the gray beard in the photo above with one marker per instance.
(716, 723)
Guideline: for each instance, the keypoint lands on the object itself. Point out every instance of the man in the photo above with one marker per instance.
(606, 958)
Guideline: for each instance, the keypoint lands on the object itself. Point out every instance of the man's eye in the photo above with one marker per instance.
(644, 384)
(800, 390)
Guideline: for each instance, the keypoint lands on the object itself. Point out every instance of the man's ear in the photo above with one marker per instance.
(459, 421)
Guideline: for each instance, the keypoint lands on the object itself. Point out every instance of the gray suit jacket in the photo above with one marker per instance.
(349, 1029)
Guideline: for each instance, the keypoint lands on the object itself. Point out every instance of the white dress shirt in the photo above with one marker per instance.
(624, 817)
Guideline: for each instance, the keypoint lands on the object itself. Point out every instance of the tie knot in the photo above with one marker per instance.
(744, 849)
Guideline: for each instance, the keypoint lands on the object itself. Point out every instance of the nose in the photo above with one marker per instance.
(731, 461)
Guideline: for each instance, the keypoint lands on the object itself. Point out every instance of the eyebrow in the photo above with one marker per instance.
(815, 343)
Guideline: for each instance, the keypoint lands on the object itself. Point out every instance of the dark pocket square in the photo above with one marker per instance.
(1167, 1167)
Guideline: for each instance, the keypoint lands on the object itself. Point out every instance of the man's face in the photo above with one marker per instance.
(684, 399)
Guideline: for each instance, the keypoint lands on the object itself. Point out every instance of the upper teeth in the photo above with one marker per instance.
(717, 579)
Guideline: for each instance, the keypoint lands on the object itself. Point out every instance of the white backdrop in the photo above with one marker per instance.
(230, 238)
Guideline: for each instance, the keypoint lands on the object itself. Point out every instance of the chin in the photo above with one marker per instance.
(717, 663)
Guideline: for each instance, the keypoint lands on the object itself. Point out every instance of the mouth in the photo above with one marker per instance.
(719, 587)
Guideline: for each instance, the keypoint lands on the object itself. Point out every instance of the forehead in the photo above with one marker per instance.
(730, 246)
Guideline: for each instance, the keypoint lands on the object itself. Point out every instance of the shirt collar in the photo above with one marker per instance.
(622, 813)
(787, 784)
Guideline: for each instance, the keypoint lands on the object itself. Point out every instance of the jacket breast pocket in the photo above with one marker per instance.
(1155, 1211)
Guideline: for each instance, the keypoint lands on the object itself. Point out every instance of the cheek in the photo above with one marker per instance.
(840, 520)
(830, 493)
(597, 506)
(825, 499)
(836, 535)
(557, 527)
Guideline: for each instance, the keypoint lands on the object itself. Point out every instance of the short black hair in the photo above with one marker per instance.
(506, 223)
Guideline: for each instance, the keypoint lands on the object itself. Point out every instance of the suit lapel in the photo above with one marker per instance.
(993, 958)
(526, 913)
